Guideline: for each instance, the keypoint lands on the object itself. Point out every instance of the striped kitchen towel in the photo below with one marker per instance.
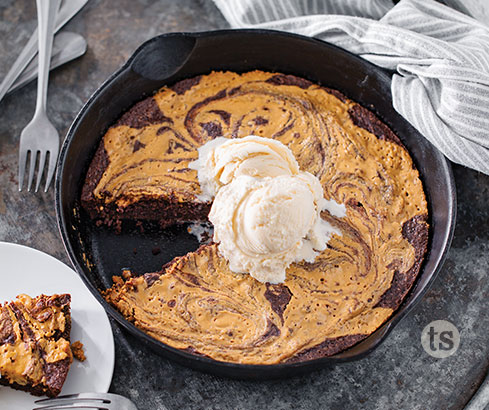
(440, 56)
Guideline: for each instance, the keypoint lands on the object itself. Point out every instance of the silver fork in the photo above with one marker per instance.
(40, 136)
(101, 401)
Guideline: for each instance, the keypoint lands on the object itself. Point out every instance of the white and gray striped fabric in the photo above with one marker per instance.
(441, 59)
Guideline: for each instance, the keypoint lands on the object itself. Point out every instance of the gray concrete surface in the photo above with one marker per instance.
(399, 374)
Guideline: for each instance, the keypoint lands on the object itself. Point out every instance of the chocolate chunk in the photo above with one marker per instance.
(43, 317)
(59, 300)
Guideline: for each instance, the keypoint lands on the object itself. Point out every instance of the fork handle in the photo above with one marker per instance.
(46, 19)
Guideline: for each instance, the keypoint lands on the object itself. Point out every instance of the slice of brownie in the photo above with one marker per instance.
(35, 353)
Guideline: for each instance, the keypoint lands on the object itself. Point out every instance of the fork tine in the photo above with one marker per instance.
(52, 166)
(101, 397)
(22, 162)
(72, 406)
(75, 401)
(102, 401)
(55, 399)
(32, 168)
(40, 169)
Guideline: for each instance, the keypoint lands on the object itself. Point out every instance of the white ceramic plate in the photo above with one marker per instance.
(26, 270)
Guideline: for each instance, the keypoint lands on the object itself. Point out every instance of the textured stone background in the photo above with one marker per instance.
(399, 374)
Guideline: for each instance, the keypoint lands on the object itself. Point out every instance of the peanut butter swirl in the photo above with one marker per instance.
(32, 341)
(196, 303)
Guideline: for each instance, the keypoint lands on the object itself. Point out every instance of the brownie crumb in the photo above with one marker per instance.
(140, 226)
(78, 353)
(126, 273)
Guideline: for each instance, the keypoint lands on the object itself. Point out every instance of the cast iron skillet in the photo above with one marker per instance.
(98, 253)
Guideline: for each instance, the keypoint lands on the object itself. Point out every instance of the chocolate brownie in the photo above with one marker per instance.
(35, 354)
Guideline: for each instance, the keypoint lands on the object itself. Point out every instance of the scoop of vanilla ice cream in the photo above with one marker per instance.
(262, 225)
(222, 159)
(266, 212)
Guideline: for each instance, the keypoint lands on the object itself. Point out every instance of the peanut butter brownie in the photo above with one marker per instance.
(35, 353)
(195, 303)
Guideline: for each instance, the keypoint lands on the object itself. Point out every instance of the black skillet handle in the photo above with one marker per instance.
(153, 64)
(163, 56)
